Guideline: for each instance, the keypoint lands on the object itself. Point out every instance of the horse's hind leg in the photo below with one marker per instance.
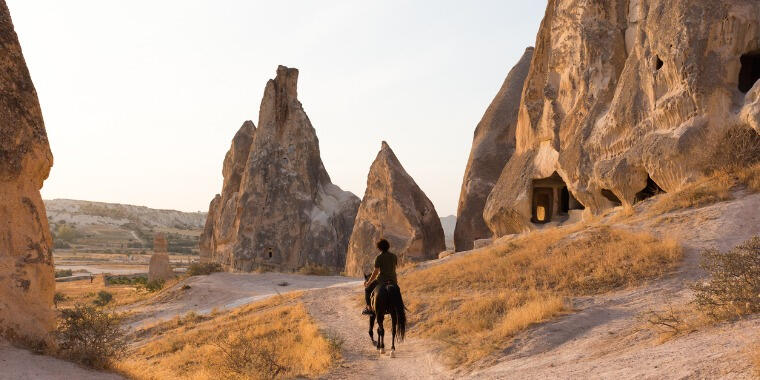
(380, 334)
(371, 325)
(393, 333)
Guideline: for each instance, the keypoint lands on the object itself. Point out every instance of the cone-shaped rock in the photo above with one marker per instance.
(26, 261)
(492, 145)
(396, 209)
(278, 209)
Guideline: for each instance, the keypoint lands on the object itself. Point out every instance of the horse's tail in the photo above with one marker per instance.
(400, 310)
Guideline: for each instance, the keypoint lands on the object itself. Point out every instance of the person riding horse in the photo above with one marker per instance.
(385, 272)
(387, 299)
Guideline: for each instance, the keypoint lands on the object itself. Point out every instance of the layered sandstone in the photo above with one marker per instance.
(625, 98)
(492, 145)
(26, 261)
(396, 209)
(278, 209)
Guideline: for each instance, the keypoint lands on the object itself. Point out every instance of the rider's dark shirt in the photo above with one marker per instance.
(386, 262)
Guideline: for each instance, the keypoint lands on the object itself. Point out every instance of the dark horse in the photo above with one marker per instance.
(387, 300)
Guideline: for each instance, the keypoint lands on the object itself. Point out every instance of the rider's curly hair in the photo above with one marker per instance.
(383, 245)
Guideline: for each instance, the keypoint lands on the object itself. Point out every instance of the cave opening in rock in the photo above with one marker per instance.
(552, 199)
(611, 197)
(658, 63)
(750, 71)
(650, 190)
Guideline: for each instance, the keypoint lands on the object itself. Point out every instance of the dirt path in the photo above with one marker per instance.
(338, 312)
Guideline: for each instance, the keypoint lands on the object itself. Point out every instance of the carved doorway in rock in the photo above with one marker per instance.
(543, 204)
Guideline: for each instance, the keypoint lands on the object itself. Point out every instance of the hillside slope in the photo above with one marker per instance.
(98, 226)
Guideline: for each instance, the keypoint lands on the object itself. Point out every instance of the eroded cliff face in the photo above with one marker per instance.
(625, 97)
(26, 261)
(492, 145)
(396, 209)
(278, 209)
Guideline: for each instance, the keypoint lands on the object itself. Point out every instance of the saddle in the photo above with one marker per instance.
(375, 292)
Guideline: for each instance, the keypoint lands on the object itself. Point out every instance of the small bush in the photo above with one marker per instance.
(103, 298)
(734, 286)
(57, 298)
(155, 285)
(90, 336)
(127, 280)
(63, 273)
(185, 287)
(251, 359)
(201, 269)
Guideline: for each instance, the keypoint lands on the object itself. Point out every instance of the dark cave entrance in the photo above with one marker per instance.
(658, 63)
(650, 190)
(611, 197)
(750, 71)
(551, 198)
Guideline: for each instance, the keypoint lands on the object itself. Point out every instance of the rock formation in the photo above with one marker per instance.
(607, 117)
(26, 261)
(492, 145)
(278, 209)
(160, 244)
(396, 209)
(160, 268)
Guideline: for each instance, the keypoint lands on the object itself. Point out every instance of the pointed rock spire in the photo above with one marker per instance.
(396, 209)
(278, 209)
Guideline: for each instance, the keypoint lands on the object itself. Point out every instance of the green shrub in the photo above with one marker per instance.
(155, 285)
(127, 280)
(734, 286)
(90, 336)
(103, 298)
(63, 273)
(58, 297)
(199, 269)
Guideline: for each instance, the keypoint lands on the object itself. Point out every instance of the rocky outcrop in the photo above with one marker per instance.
(160, 268)
(492, 145)
(26, 261)
(396, 209)
(608, 117)
(278, 209)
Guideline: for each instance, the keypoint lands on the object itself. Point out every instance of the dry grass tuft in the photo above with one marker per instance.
(275, 338)
(473, 305)
(756, 359)
(709, 190)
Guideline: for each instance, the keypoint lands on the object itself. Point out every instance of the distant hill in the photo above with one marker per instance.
(112, 227)
(448, 223)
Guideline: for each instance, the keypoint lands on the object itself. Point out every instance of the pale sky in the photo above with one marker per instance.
(141, 98)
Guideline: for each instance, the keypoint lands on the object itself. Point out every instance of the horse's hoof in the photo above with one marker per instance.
(393, 353)
(382, 351)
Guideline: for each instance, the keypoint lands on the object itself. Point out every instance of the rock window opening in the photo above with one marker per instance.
(750, 71)
(551, 199)
(611, 197)
(658, 63)
(649, 191)
(270, 253)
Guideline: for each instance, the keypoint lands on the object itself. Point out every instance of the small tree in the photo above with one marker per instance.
(104, 298)
(58, 297)
(734, 286)
(90, 336)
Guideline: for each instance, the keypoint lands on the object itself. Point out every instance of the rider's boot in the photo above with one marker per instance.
(367, 311)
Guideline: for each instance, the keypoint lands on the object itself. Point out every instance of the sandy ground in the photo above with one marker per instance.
(223, 291)
(18, 364)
